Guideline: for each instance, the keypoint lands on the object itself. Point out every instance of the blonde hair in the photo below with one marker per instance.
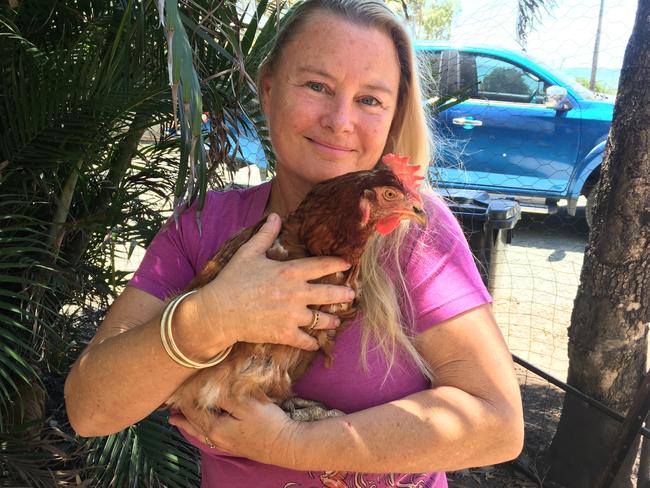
(387, 310)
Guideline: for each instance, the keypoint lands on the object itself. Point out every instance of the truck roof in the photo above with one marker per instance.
(517, 56)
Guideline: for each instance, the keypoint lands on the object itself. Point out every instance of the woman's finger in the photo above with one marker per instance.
(180, 421)
(316, 267)
(320, 294)
(190, 427)
(264, 237)
(318, 320)
(300, 339)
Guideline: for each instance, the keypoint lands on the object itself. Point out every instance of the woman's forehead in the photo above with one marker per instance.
(334, 27)
(330, 43)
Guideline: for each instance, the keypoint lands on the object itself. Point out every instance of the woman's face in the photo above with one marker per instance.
(330, 100)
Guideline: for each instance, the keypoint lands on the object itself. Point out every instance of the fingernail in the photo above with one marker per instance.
(272, 218)
(351, 294)
(337, 322)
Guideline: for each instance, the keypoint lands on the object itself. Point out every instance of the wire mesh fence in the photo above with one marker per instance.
(508, 137)
(513, 135)
(534, 285)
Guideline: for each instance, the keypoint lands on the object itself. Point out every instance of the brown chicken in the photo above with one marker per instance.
(336, 218)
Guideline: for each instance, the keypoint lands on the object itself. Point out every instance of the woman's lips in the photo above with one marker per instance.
(329, 148)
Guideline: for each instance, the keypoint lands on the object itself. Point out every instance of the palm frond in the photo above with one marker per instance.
(38, 457)
(150, 454)
(529, 12)
(22, 255)
(81, 82)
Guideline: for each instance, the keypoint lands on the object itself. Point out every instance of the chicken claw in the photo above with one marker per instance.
(308, 410)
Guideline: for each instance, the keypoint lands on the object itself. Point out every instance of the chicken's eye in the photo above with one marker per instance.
(390, 194)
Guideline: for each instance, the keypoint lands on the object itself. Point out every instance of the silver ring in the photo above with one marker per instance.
(314, 320)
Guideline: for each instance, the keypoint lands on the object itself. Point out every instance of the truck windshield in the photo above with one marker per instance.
(566, 80)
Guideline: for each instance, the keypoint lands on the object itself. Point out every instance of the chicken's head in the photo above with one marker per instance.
(384, 207)
(339, 215)
(386, 203)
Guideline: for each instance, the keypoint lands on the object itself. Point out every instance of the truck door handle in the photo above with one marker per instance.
(466, 121)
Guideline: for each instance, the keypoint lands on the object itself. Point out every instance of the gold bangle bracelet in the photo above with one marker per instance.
(163, 334)
(169, 344)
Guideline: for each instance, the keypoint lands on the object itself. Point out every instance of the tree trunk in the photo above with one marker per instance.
(594, 61)
(608, 332)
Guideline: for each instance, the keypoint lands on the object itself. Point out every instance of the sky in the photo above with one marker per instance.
(565, 36)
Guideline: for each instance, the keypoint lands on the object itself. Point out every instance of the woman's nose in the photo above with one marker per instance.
(338, 116)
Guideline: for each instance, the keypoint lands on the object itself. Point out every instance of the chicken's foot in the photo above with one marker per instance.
(304, 410)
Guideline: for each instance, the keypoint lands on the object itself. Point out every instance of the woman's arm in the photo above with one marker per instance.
(124, 374)
(471, 417)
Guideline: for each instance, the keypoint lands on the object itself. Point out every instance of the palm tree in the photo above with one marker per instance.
(81, 83)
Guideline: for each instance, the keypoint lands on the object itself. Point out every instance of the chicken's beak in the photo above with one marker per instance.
(415, 208)
(415, 213)
(419, 215)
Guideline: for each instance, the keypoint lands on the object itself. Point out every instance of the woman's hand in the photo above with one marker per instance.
(259, 300)
(257, 431)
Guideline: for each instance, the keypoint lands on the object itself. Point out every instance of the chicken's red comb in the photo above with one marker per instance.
(407, 173)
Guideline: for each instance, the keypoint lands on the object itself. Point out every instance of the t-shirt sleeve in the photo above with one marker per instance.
(178, 252)
(169, 264)
(441, 272)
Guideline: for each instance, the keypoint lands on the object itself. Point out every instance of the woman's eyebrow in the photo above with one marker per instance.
(377, 86)
(381, 88)
(315, 71)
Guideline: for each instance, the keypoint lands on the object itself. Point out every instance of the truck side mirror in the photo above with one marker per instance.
(557, 99)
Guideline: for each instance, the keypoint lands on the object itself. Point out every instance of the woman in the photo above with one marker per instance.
(339, 90)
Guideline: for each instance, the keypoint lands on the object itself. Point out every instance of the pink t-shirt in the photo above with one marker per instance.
(443, 282)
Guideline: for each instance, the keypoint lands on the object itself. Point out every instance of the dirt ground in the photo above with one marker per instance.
(542, 407)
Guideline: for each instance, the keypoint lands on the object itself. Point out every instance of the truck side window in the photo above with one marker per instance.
(431, 71)
(498, 80)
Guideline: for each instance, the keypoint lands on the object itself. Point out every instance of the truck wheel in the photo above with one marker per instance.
(589, 208)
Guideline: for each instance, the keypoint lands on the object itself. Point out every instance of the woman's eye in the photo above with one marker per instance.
(372, 101)
(314, 85)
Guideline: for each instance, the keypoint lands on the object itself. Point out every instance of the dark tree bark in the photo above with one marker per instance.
(608, 332)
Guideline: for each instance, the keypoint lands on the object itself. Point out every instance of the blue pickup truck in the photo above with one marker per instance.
(523, 130)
